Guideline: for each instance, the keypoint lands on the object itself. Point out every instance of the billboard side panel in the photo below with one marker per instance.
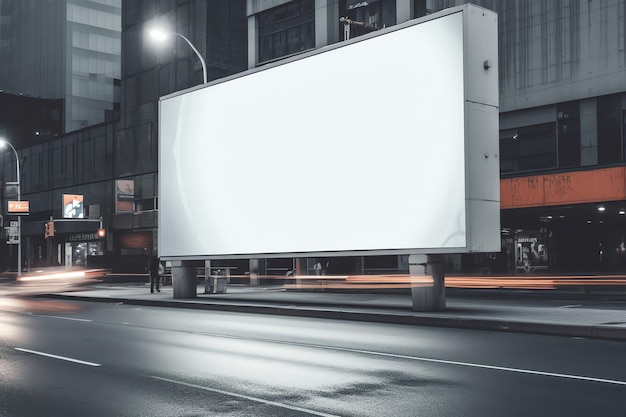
(482, 121)
(483, 206)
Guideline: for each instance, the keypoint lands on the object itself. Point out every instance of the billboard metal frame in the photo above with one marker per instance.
(481, 145)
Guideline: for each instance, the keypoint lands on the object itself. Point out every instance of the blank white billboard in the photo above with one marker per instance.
(360, 147)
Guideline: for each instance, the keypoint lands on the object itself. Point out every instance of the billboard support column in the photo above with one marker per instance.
(430, 297)
(254, 272)
(184, 279)
(301, 269)
(207, 276)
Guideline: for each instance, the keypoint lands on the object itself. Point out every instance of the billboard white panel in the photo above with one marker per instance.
(360, 147)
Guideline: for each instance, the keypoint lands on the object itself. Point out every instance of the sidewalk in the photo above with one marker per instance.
(540, 315)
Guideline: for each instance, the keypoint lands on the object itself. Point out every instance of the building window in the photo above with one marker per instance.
(419, 8)
(568, 123)
(528, 148)
(146, 204)
(286, 30)
(609, 122)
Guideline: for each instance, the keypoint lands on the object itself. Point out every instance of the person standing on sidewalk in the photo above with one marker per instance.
(155, 276)
(317, 268)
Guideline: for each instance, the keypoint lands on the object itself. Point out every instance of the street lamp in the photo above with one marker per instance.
(3, 143)
(160, 36)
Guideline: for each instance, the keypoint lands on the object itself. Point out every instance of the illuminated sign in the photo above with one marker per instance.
(80, 237)
(18, 207)
(72, 206)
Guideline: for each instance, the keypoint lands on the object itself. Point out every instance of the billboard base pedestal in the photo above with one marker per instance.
(427, 297)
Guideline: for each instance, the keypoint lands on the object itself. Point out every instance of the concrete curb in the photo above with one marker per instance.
(318, 311)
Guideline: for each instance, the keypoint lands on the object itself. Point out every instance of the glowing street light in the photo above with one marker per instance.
(3, 143)
(160, 36)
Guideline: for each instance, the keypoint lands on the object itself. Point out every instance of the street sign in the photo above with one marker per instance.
(13, 235)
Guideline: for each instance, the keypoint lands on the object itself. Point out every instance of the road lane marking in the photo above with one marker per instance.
(478, 365)
(422, 359)
(246, 397)
(62, 318)
(64, 358)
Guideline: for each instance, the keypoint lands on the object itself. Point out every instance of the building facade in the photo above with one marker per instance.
(562, 122)
(562, 98)
(562, 95)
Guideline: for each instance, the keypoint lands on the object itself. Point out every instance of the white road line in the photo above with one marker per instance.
(247, 397)
(34, 352)
(421, 359)
(62, 318)
(493, 367)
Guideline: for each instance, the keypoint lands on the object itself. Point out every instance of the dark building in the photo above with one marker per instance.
(29, 120)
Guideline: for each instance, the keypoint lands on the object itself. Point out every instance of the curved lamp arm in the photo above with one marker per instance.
(197, 53)
(161, 35)
(17, 164)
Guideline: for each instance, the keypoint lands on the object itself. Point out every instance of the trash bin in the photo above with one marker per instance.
(220, 284)
(215, 284)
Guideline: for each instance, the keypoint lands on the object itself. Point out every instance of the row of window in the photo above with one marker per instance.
(559, 144)
(290, 29)
(92, 17)
(286, 30)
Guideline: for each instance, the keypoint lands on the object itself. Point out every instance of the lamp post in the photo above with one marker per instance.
(160, 36)
(4, 142)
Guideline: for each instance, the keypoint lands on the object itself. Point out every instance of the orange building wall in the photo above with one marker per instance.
(596, 185)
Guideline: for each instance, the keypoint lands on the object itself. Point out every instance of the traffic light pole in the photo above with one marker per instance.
(48, 252)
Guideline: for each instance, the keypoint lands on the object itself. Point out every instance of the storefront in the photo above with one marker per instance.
(80, 247)
(73, 243)
(569, 239)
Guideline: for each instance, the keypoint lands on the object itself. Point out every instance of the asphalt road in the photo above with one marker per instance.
(68, 358)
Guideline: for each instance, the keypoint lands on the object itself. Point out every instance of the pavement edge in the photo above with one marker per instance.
(604, 332)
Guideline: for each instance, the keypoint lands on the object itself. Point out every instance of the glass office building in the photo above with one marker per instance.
(64, 49)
